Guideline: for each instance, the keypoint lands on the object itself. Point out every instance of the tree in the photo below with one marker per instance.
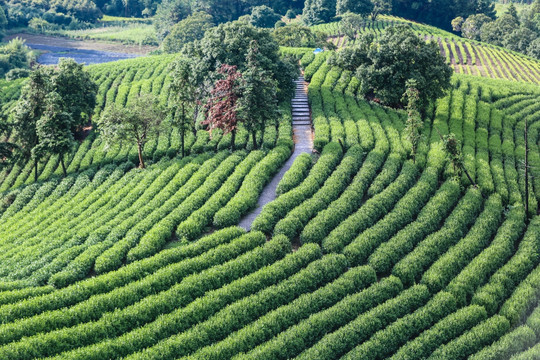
(169, 13)
(494, 32)
(137, 124)
(351, 58)
(229, 43)
(77, 92)
(487, 8)
(512, 11)
(414, 120)
(28, 110)
(258, 102)
(470, 29)
(318, 11)
(3, 19)
(380, 7)
(264, 17)
(53, 130)
(296, 35)
(534, 49)
(6, 148)
(457, 23)
(187, 30)
(360, 7)
(352, 24)
(222, 106)
(519, 39)
(183, 91)
(399, 56)
(452, 146)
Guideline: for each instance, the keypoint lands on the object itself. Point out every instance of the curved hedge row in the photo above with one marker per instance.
(296, 174)
(442, 332)
(288, 315)
(384, 342)
(297, 218)
(243, 312)
(202, 308)
(306, 333)
(252, 187)
(339, 342)
(449, 265)
(275, 210)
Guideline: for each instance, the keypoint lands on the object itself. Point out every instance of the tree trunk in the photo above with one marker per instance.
(183, 130)
(195, 116)
(63, 165)
(35, 169)
(526, 172)
(141, 161)
(254, 138)
(469, 176)
(233, 139)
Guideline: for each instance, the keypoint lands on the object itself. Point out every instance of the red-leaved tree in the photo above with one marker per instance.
(221, 109)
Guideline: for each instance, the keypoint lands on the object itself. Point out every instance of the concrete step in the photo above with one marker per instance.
(300, 114)
(301, 119)
(296, 107)
(307, 124)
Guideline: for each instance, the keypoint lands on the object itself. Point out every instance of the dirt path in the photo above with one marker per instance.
(303, 142)
(59, 41)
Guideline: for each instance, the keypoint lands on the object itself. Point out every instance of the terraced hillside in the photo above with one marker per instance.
(119, 83)
(393, 259)
(465, 56)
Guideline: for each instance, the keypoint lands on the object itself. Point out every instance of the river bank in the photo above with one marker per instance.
(83, 51)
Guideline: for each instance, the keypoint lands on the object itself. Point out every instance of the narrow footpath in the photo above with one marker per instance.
(303, 143)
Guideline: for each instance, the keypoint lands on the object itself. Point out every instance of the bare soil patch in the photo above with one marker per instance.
(83, 44)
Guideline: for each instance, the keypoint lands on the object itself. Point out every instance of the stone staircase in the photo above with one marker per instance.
(303, 142)
(301, 115)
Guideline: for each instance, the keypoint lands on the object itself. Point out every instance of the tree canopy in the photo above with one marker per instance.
(264, 17)
(229, 44)
(385, 67)
(136, 124)
(360, 7)
(187, 30)
(318, 11)
(54, 104)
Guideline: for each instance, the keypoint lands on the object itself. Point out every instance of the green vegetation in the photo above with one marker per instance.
(411, 232)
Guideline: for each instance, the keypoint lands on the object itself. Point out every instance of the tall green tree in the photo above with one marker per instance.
(29, 109)
(183, 98)
(187, 30)
(229, 43)
(471, 27)
(400, 55)
(76, 90)
(352, 24)
(264, 17)
(380, 7)
(297, 35)
(3, 19)
(169, 13)
(7, 148)
(136, 124)
(318, 11)
(414, 120)
(257, 105)
(53, 130)
(360, 7)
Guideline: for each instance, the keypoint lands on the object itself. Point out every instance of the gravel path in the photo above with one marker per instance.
(303, 142)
